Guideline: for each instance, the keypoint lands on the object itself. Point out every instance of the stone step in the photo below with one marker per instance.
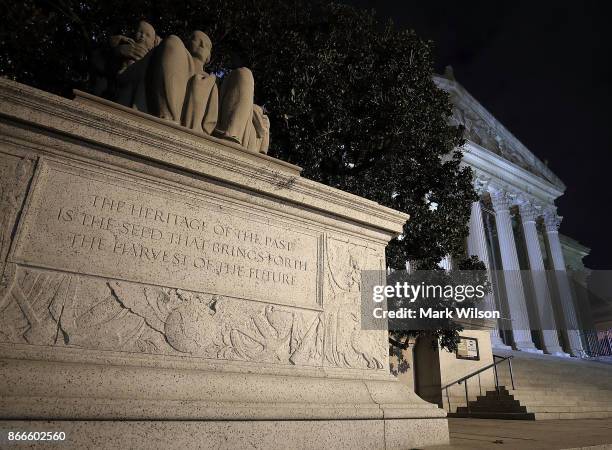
(574, 380)
(560, 378)
(558, 388)
(568, 408)
(556, 375)
(536, 395)
(495, 401)
(494, 408)
(556, 399)
(585, 385)
(559, 392)
(529, 366)
(495, 415)
(531, 415)
(535, 390)
(563, 402)
(571, 415)
(560, 402)
(545, 388)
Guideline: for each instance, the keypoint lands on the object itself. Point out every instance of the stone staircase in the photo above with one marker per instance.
(546, 387)
(495, 405)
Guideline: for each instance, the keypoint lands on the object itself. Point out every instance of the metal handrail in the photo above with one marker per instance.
(493, 365)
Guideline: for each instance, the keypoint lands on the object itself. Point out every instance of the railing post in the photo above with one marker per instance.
(511, 374)
(448, 400)
(467, 400)
(496, 379)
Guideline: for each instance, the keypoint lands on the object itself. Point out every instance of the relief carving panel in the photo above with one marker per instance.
(59, 309)
(49, 308)
(346, 344)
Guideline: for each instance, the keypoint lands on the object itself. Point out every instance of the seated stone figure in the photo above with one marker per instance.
(240, 120)
(132, 59)
(178, 88)
(166, 78)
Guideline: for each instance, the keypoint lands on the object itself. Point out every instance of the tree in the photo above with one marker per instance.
(350, 99)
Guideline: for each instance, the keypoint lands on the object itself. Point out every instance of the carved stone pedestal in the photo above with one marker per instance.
(163, 288)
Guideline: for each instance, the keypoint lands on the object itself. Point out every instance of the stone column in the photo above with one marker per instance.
(521, 330)
(529, 214)
(552, 222)
(477, 245)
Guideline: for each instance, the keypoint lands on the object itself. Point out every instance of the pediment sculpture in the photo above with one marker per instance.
(167, 79)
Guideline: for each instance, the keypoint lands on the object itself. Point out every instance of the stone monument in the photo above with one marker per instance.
(165, 283)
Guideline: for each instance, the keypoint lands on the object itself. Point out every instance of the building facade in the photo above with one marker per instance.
(514, 230)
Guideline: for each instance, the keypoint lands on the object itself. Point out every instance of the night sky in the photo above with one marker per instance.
(543, 69)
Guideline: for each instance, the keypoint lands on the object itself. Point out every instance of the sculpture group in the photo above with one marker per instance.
(166, 78)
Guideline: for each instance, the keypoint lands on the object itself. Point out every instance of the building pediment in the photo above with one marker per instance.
(483, 129)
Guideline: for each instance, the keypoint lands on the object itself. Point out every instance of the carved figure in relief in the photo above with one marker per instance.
(307, 346)
(267, 339)
(91, 317)
(56, 309)
(13, 185)
(211, 326)
(345, 344)
(184, 319)
(51, 308)
(24, 309)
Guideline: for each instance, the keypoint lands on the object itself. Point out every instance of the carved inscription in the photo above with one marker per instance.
(93, 225)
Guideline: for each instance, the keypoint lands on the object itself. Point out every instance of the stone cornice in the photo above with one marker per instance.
(487, 164)
(537, 167)
(574, 253)
(132, 133)
(573, 244)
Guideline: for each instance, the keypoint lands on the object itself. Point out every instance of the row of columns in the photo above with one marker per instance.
(543, 298)
(513, 282)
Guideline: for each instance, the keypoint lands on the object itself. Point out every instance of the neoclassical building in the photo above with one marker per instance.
(514, 230)
(513, 367)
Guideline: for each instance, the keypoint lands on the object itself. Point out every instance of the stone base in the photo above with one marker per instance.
(577, 353)
(531, 350)
(561, 354)
(120, 406)
(528, 347)
(497, 343)
(162, 288)
(305, 434)
(557, 351)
